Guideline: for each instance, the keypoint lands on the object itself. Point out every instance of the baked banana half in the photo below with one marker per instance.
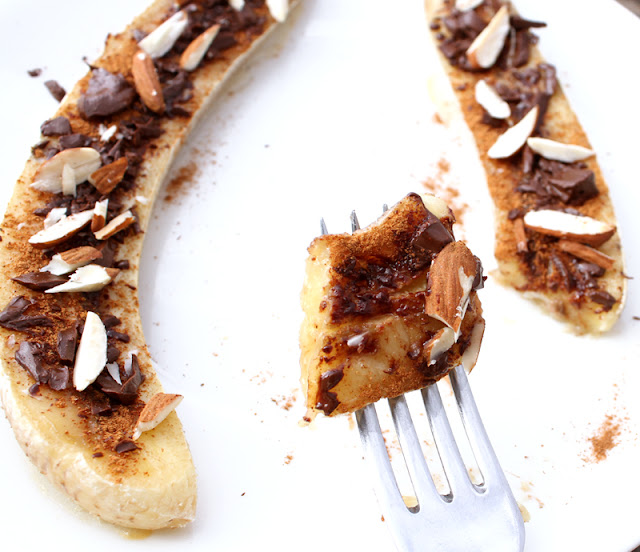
(77, 382)
(389, 309)
(556, 238)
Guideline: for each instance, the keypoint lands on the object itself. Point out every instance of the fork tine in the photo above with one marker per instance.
(355, 225)
(454, 468)
(474, 428)
(375, 449)
(419, 473)
(323, 227)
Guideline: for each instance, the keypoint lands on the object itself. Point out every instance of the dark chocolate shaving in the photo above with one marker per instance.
(39, 281)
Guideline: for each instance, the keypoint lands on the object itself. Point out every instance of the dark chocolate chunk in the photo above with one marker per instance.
(120, 336)
(106, 94)
(125, 445)
(59, 377)
(14, 309)
(74, 141)
(12, 316)
(602, 297)
(28, 356)
(34, 72)
(326, 400)
(578, 184)
(109, 320)
(67, 342)
(100, 407)
(431, 235)
(127, 392)
(39, 281)
(55, 89)
(57, 126)
(113, 353)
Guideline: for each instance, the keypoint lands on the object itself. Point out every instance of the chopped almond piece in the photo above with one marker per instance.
(486, 47)
(83, 162)
(106, 178)
(522, 244)
(587, 253)
(155, 412)
(451, 280)
(122, 221)
(572, 227)
(61, 230)
(192, 56)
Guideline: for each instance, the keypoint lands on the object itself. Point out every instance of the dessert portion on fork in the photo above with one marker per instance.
(388, 309)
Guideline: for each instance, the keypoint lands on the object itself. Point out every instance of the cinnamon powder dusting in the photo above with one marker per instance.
(605, 439)
(180, 183)
(436, 184)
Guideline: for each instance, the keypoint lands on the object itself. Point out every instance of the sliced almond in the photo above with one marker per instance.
(55, 215)
(472, 350)
(572, 227)
(83, 161)
(193, 54)
(61, 230)
(279, 9)
(512, 139)
(522, 244)
(440, 343)
(158, 42)
(147, 83)
(486, 47)
(237, 4)
(155, 411)
(492, 103)
(91, 356)
(557, 151)
(68, 180)
(91, 277)
(106, 178)
(115, 225)
(466, 5)
(587, 253)
(451, 279)
(99, 215)
(437, 206)
(68, 261)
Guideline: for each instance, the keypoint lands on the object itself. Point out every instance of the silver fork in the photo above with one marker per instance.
(471, 517)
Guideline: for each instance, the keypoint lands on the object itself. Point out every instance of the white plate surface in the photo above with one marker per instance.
(333, 114)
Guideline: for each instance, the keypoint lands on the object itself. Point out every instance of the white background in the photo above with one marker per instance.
(333, 114)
